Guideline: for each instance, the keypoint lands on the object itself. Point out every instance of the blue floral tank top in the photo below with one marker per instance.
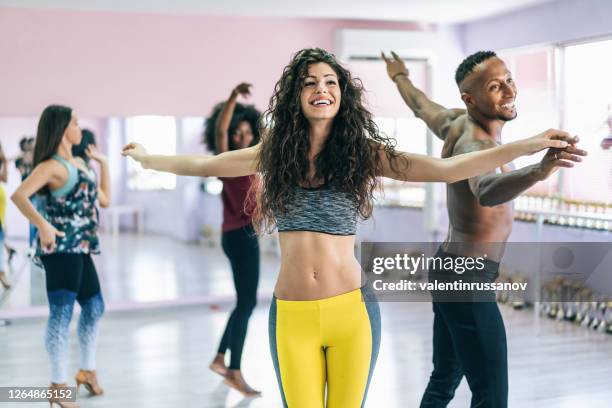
(73, 210)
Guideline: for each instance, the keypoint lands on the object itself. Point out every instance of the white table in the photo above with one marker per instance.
(116, 211)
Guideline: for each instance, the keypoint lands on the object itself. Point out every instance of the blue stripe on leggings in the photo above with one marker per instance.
(273, 349)
(61, 297)
(371, 304)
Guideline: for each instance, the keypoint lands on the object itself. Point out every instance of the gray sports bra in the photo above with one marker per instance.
(324, 209)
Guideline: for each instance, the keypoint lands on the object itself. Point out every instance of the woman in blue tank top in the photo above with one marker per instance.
(68, 236)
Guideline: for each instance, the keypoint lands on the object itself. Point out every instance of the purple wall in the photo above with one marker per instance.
(560, 21)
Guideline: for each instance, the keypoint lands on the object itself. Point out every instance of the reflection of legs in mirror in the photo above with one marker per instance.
(220, 392)
(4, 280)
(11, 252)
(3, 277)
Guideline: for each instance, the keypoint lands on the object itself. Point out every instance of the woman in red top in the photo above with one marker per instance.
(233, 126)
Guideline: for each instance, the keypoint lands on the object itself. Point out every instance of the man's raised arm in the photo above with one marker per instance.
(437, 117)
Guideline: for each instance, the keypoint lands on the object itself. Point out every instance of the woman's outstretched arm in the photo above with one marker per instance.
(416, 167)
(234, 163)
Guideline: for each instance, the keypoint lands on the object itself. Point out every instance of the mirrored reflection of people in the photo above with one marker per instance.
(25, 164)
(469, 337)
(3, 201)
(25, 161)
(86, 152)
(606, 142)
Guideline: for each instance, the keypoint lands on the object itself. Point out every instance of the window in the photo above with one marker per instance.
(410, 135)
(534, 72)
(395, 120)
(588, 113)
(569, 87)
(158, 134)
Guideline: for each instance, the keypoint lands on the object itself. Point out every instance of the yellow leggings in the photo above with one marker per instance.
(331, 341)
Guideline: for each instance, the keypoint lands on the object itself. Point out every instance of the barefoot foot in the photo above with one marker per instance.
(218, 365)
(235, 380)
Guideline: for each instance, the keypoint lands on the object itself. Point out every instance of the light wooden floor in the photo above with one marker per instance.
(159, 357)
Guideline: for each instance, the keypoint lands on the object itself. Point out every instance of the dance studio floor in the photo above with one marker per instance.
(158, 357)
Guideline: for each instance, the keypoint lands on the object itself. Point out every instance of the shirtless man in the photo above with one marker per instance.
(469, 337)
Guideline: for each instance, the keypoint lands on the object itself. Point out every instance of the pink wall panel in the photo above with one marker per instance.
(105, 63)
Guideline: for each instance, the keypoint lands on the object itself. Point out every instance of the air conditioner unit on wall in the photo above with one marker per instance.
(367, 44)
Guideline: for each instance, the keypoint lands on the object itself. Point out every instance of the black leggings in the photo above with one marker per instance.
(469, 339)
(242, 248)
(72, 272)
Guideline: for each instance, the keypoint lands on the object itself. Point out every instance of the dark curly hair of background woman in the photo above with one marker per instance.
(241, 113)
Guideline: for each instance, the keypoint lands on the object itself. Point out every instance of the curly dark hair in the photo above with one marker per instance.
(468, 64)
(350, 155)
(242, 113)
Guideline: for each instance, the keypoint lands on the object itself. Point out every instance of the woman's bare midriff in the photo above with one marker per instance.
(316, 266)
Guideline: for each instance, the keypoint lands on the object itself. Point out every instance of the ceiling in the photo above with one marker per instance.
(434, 11)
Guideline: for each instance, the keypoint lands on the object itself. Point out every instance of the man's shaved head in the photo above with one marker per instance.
(467, 65)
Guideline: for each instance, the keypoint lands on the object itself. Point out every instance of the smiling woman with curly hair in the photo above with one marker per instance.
(290, 157)
(320, 159)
